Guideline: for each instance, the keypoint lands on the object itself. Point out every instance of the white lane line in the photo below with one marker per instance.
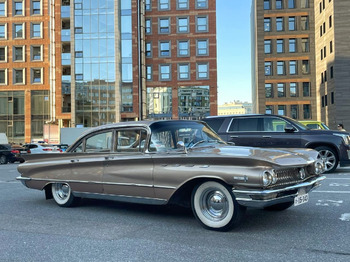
(336, 203)
(335, 192)
(338, 178)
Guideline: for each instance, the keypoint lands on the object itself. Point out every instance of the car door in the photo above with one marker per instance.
(87, 161)
(128, 171)
(245, 132)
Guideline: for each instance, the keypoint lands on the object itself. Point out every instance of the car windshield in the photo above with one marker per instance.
(166, 135)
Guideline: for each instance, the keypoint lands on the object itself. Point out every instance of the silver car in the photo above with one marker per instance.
(181, 162)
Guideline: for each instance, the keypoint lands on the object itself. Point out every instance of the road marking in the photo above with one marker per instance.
(340, 178)
(345, 217)
(335, 192)
(336, 203)
(338, 184)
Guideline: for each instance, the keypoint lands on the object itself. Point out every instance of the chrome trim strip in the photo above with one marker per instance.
(95, 182)
(21, 178)
(122, 198)
(266, 192)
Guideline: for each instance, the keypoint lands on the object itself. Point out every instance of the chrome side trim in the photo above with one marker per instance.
(21, 178)
(122, 198)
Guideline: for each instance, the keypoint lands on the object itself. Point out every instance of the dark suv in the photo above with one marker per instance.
(279, 131)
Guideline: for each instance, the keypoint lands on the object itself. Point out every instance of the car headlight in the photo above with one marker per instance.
(346, 138)
(269, 177)
(319, 166)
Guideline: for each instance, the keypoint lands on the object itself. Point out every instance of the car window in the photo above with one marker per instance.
(101, 142)
(79, 148)
(131, 140)
(245, 124)
(215, 123)
(161, 141)
(274, 124)
(313, 126)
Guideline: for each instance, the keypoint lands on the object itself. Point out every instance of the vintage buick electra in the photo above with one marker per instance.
(179, 162)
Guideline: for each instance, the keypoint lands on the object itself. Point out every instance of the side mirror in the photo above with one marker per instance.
(289, 129)
(181, 145)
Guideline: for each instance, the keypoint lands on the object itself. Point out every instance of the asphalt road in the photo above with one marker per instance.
(35, 229)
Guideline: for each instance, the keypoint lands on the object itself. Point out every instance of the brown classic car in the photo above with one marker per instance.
(182, 162)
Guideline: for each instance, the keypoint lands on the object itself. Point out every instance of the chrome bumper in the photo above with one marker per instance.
(23, 179)
(264, 198)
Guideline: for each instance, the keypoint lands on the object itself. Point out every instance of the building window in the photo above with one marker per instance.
(279, 45)
(293, 90)
(149, 49)
(182, 25)
(149, 74)
(164, 49)
(330, 21)
(331, 46)
(3, 11)
(268, 90)
(3, 53)
(3, 76)
(36, 29)
(267, 5)
(331, 73)
(36, 53)
(3, 31)
(267, 24)
(35, 7)
(18, 8)
(201, 24)
(36, 76)
(279, 4)
(307, 111)
(293, 67)
(304, 3)
(182, 4)
(281, 90)
(306, 89)
(268, 68)
(332, 98)
(183, 48)
(163, 4)
(267, 46)
(294, 111)
(324, 27)
(202, 47)
(281, 110)
(291, 3)
(201, 4)
(18, 31)
(291, 23)
(183, 71)
(292, 45)
(325, 51)
(322, 80)
(305, 47)
(279, 23)
(305, 68)
(202, 71)
(280, 68)
(18, 53)
(269, 110)
(325, 75)
(148, 6)
(164, 72)
(164, 25)
(18, 76)
(148, 26)
(304, 23)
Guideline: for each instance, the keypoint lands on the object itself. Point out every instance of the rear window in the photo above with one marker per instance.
(245, 124)
(215, 123)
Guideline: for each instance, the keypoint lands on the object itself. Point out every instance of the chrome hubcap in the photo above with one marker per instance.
(328, 158)
(62, 190)
(214, 205)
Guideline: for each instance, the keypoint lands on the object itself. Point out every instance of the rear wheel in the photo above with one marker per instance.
(329, 156)
(3, 160)
(62, 194)
(215, 206)
(279, 207)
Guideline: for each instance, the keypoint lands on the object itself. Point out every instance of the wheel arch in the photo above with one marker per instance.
(182, 196)
(48, 191)
(315, 145)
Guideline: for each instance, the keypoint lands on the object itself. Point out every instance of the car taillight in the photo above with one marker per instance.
(59, 150)
(47, 149)
(28, 151)
(14, 151)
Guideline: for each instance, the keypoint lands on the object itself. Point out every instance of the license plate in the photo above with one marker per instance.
(301, 199)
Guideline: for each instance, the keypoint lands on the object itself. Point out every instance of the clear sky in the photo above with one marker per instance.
(234, 47)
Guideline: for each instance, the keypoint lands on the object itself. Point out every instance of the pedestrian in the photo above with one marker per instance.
(341, 127)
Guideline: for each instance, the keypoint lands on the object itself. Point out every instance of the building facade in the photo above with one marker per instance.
(235, 108)
(283, 58)
(84, 63)
(333, 61)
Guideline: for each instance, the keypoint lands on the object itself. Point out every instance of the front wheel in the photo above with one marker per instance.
(215, 206)
(62, 194)
(3, 160)
(329, 156)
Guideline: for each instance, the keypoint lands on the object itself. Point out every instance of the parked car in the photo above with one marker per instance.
(17, 152)
(312, 124)
(274, 131)
(5, 153)
(193, 167)
(41, 148)
(62, 147)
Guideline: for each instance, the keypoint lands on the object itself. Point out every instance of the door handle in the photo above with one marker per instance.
(266, 136)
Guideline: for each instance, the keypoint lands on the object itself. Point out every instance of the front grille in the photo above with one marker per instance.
(289, 176)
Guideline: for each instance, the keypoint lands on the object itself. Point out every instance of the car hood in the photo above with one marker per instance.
(278, 156)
